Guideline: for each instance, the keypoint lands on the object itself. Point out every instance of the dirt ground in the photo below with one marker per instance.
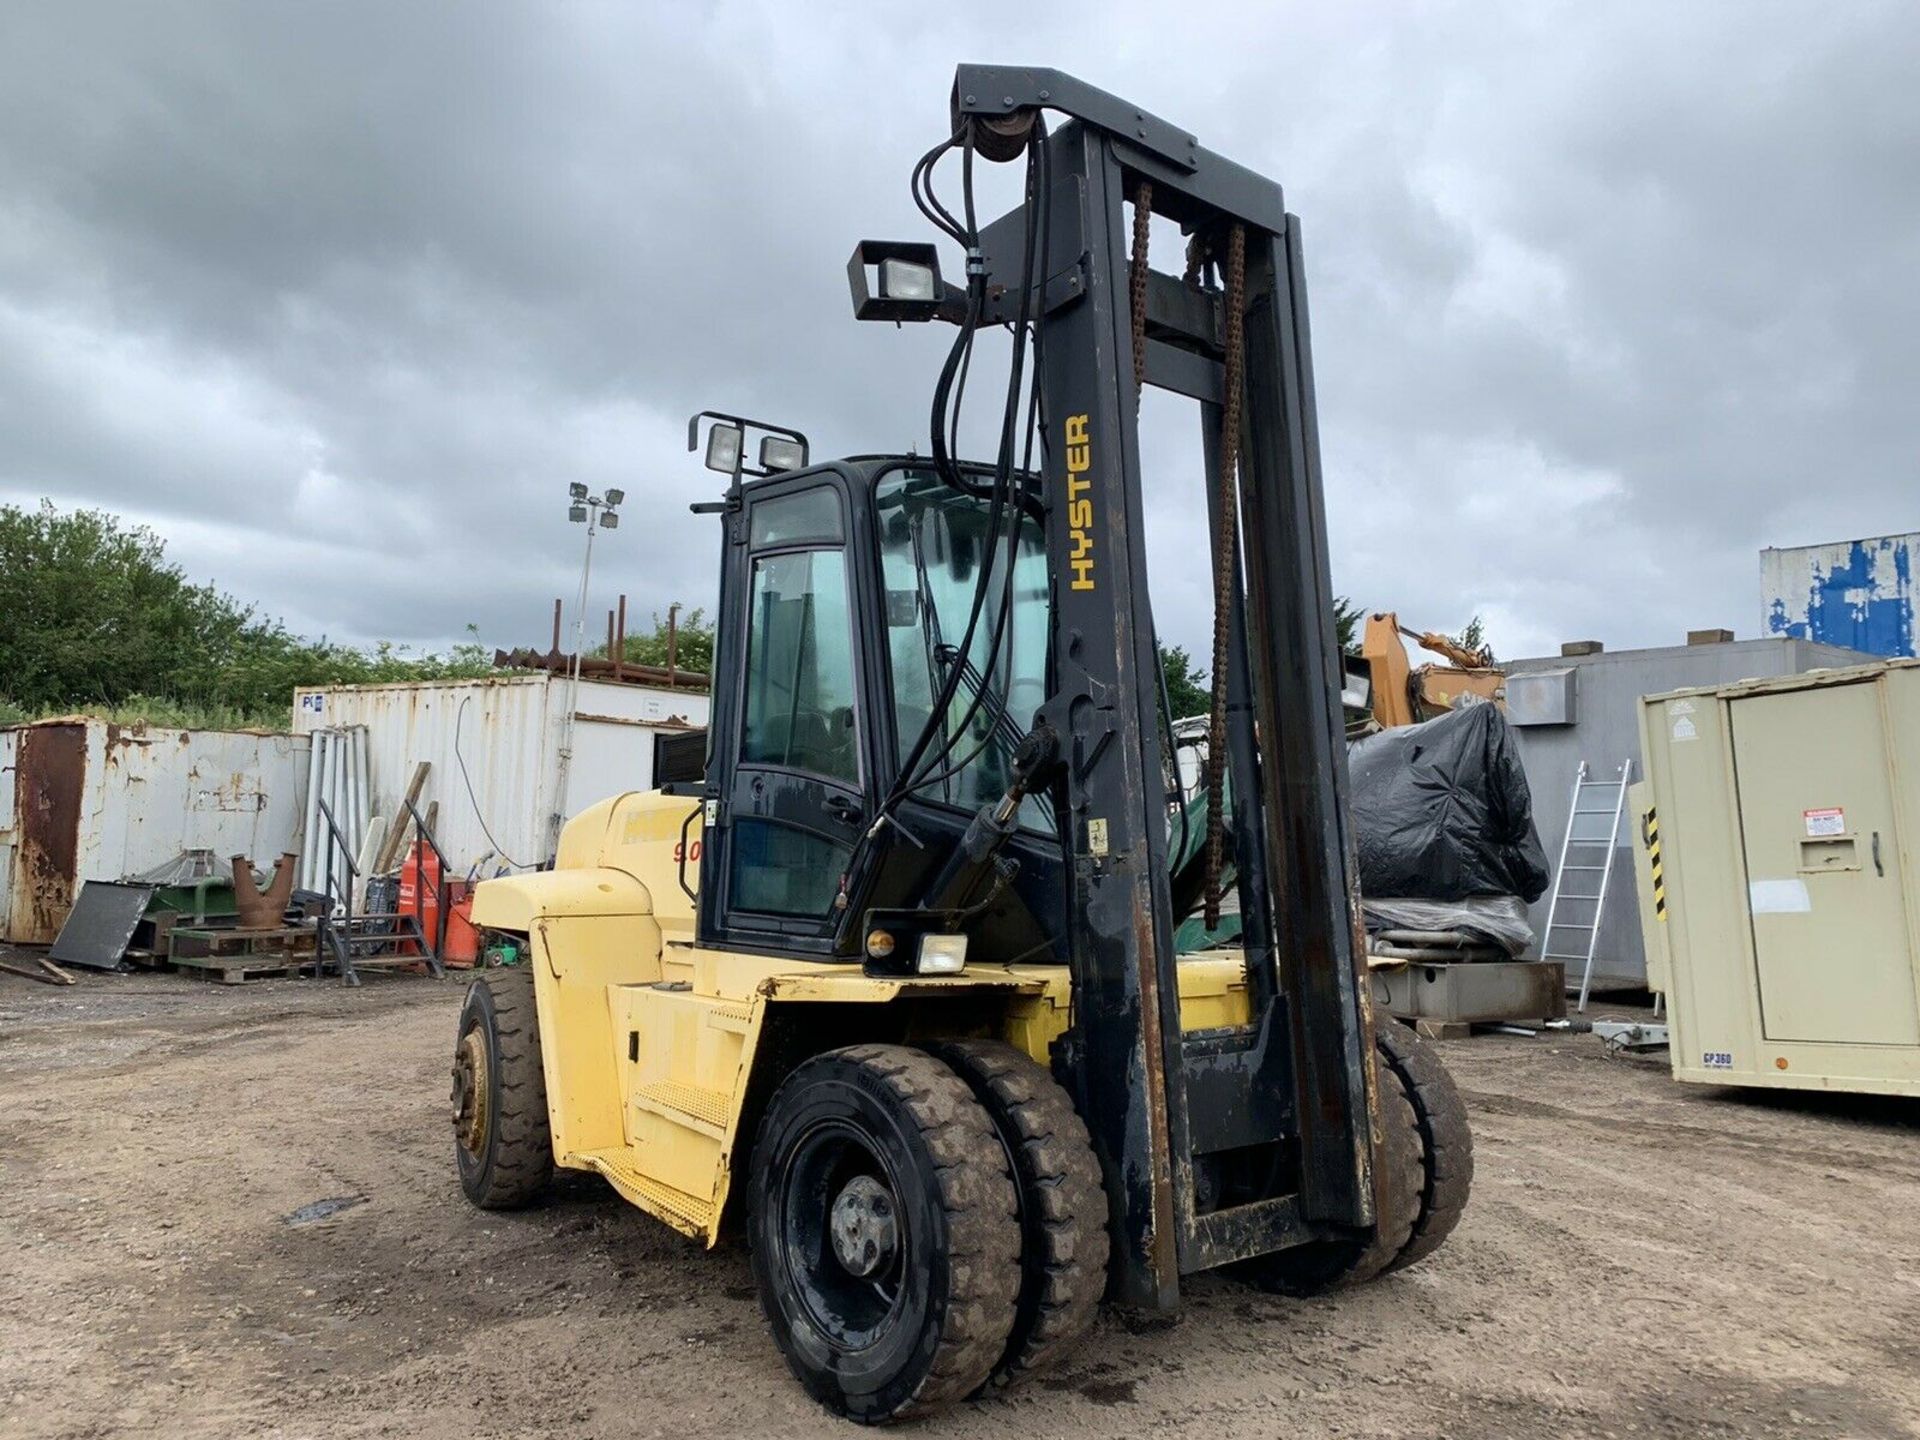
(1639, 1259)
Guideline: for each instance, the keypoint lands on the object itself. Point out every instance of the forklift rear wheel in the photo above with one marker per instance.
(1062, 1202)
(886, 1247)
(501, 1141)
(1446, 1140)
(1326, 1265)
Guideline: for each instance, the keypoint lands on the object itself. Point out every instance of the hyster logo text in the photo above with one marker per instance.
(1079, 501)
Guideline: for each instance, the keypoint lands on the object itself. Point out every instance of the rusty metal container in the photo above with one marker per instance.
(82, 799)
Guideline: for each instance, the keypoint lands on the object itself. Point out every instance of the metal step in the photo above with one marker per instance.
(688, 1214)
(694, 1106)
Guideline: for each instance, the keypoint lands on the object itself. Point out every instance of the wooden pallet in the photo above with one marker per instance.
(236, 956)
(193, 944)
(238, 969)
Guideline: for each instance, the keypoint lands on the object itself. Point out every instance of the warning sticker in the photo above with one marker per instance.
(1684, 729)
(1825, 822)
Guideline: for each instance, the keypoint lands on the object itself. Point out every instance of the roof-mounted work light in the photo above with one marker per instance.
(781, 449)
(725, 445)
(782, 452)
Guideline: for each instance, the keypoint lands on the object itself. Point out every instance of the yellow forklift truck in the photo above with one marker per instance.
(893, 991)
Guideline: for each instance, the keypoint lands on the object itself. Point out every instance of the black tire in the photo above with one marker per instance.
(1446, 1141)
(924, 1322)
(1062, 1202)
(502, 1142)
(1332, 1264)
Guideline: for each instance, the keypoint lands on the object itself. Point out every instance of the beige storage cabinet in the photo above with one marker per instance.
(1777, 840)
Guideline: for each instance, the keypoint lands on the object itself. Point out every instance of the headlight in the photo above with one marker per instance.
(904, 280)
(942, 954)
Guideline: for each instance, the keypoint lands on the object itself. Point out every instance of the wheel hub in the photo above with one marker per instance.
(470, 1090)
(863, 1225)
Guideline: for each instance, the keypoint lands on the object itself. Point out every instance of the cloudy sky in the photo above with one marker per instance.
(338, 297)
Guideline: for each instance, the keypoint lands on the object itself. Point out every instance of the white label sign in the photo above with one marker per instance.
(1779, 897)
(1825, 822)
(1684, 729)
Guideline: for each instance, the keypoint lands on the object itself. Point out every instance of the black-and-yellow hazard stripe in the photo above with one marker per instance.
(1653, 864)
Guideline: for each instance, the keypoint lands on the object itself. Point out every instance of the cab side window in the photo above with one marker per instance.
(800, 687)
(795, 822)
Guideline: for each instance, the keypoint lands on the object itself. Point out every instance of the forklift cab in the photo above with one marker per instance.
(845, 599)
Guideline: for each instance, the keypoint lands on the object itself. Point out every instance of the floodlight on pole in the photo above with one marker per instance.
(596, 513)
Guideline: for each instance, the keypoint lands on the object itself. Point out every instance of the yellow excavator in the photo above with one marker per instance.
(1404, 694)
(893, 991)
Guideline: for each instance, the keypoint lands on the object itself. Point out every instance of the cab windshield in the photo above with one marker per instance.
(934, 543)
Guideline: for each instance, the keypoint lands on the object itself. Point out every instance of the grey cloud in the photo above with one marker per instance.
(1604, 298)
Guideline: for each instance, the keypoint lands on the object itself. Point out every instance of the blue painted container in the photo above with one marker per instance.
(1856, 593)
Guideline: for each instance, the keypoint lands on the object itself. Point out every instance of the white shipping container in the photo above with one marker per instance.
(83, 799)
(494, 745)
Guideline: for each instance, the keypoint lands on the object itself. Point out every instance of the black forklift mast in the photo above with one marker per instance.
(1288, 1098)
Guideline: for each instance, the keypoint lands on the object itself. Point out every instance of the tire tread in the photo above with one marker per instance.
(1446, 1141)
(521, 1163)
(1060, 1177)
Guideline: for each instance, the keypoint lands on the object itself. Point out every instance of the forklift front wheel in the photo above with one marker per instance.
(501, 1142)
(1063, 1204)
(886, 1248)
(1329, 1264)
(1446, 1139)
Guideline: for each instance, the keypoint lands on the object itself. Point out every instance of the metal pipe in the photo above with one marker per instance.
(343, 788)
(323, 854)
(329, 783)
(310, 817)
(338, 805)
(619, 656)
(358, 779)
(362, 810)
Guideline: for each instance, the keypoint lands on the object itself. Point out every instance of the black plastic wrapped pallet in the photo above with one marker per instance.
(1441, 811)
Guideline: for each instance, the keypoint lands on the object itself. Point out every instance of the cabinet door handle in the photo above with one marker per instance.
(1878, 868)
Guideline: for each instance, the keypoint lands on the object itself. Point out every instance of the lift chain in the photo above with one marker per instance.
(1223, 556)
(1196, 258)
(1137, 285)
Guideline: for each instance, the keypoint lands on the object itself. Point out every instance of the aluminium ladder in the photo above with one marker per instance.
(1593, 831)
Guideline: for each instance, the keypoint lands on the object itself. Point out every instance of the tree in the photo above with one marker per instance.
(91, 611)
(1474, 637)
(92, 614)
(692, 642)
(1187, 690)
(1346, 619)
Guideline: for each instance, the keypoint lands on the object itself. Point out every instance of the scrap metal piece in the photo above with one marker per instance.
(1630, 1035)
(183, 869)
(100, 926)
(262, 909)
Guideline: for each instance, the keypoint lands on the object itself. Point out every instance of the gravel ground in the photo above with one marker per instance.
(1639, 1259)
